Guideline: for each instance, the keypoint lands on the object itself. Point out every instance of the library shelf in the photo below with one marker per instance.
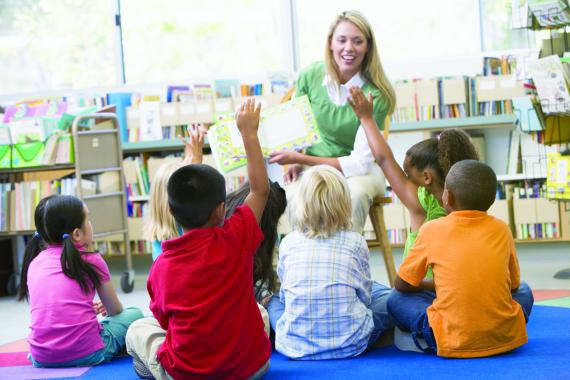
(166, 145)
(16, 233)
(472, 122)
(44, 168)
(545, 240)
(139, 198)
(518, 177)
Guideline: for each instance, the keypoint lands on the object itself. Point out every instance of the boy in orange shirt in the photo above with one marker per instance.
(481, 308)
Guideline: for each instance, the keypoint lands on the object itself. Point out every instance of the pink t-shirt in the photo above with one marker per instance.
(63, 326)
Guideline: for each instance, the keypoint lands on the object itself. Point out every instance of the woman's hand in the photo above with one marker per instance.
(285, 157)
(99, 308)
(361, 106)
(292, 173)
(194, 145)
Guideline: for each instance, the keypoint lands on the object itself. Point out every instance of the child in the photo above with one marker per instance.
(420, 185)
(264, 278)
(161, 225)
(60, 279)
(207, 322)
(328, 307)
(481, 305)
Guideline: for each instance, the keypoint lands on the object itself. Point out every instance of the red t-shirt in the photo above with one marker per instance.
(201, 291)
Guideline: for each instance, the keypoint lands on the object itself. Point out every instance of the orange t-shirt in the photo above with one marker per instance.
(475, 267)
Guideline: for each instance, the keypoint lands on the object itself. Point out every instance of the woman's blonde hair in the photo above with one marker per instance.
(371, 66)
(161, 225)
(322, 204)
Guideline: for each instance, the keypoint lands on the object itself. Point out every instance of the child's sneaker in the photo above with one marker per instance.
(141, 369)
(405, 342)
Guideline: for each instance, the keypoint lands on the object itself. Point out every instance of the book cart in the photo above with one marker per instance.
(97, 150)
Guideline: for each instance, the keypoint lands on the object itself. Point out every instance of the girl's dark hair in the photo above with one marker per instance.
(275, 207)
(56, 218)
(441, 152)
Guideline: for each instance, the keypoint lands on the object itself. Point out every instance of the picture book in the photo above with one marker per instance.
(287, 126)
(550, 78)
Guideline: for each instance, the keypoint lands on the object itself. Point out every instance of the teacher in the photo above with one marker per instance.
(351, 59)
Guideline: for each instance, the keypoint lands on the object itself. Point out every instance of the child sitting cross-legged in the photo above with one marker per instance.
(206, 322)
(328, 306)
(60, 279)
(481, 306)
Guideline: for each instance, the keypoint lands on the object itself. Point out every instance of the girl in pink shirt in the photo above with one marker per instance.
(60, 279)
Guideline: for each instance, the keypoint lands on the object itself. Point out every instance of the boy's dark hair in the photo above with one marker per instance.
(473, 185)
(441, 152)
(56, 216)
(275, 207)
(194, 191)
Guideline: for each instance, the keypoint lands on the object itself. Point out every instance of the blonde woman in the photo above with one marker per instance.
(328, 306)
(351, 59)
(161, 225)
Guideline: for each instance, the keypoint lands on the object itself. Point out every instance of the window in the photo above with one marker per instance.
(194, 39)
(410, 34)
(54, 44)
(497, 32)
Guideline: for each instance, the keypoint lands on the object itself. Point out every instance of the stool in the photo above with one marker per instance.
(377, 218)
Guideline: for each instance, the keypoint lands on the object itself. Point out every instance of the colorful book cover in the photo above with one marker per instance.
(287, 126)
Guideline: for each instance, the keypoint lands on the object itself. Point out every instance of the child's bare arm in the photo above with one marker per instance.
(404, 287)
(109, 298)
(193, 147)
(404, 188)
(247, 120)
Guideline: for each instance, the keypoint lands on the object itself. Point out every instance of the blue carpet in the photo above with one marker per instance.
(546, 356)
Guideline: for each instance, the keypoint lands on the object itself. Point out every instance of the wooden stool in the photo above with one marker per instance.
(377, 218)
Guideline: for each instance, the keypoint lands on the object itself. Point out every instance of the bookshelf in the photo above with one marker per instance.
(96, 151)
(471, 122)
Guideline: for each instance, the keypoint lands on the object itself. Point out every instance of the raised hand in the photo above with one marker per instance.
(361, 106)
(247, 118)
(194, 144)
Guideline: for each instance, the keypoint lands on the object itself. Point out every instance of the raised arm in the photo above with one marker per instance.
(193, 146)
(404, 188)
(247, 120)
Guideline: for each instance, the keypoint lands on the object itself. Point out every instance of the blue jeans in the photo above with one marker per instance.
(380, 315)
(408, 310)
(113, 336)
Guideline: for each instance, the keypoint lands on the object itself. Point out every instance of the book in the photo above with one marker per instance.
(550, 79)
(287, 126)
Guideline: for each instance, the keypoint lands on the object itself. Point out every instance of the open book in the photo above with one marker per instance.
(287, 126)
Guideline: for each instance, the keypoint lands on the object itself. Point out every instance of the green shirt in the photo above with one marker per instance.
(433, 211)
(337, 124)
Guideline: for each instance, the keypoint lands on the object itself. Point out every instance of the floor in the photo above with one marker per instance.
(538, 264)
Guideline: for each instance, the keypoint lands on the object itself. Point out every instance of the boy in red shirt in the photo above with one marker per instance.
(207, 322)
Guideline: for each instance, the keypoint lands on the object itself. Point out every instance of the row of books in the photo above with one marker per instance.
(136, 177)
(535, 217)
(139, 176)
(154, 120)
(442, 98)
(18, 200)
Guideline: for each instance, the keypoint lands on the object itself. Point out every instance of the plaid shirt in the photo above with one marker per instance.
(325, 286)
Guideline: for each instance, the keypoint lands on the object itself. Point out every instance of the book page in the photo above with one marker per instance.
(282, 129)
